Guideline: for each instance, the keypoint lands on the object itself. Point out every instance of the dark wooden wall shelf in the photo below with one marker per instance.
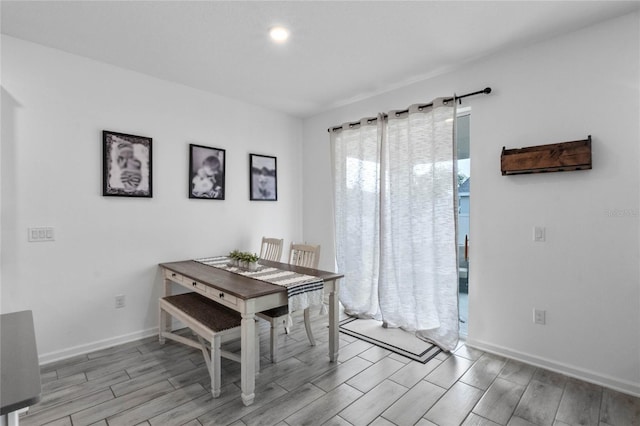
(557, 157)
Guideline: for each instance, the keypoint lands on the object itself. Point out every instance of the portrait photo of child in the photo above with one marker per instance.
(126, 168)
(206, 172)
(263, 178)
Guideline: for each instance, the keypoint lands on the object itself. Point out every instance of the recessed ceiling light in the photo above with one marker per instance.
(279, 34)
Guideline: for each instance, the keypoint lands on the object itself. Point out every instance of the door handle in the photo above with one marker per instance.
(466, 248)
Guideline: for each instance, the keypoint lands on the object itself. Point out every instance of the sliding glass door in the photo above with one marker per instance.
(464, 197)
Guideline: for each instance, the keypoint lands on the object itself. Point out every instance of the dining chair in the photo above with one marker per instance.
(300, 255)
(271, 249)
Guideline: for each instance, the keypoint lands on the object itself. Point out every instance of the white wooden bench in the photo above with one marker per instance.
(211, 322)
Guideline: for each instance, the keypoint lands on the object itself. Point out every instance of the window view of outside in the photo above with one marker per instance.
(464, 185)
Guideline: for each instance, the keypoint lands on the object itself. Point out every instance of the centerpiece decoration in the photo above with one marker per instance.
(244, 260)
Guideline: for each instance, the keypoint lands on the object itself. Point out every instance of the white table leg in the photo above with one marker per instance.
(334, 317)
(248, 358)
(167, 287)
(163, 326)
(164, 321)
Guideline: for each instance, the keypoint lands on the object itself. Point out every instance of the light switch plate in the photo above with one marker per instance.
(539, 234)
(39, 235)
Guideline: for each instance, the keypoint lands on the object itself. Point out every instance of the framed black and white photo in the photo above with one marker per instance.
(263, 178)
(126, 167)
(206, 172)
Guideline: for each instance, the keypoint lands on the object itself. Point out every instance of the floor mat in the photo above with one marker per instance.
(394, 339)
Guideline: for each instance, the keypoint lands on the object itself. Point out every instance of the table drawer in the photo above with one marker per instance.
(195, 285)
(173, 276)
(221, 296)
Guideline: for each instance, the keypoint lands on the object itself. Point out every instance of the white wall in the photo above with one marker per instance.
(54, 108)
(586, 276)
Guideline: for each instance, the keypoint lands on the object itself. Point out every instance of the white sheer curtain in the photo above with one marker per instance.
(397, 247)
(356, 171)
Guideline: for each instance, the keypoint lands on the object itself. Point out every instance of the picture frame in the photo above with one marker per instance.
(206, 172)
(126, 165)
(263, 178)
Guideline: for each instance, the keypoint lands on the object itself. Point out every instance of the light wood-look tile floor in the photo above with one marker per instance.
(145, 383)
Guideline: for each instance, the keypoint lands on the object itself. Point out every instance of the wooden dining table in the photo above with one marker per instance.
(248, 296)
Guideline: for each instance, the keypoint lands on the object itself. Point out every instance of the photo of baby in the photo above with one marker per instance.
(206, 172)
(127, 165)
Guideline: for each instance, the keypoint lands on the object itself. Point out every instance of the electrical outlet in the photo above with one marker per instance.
(120, 301)
(539, 316)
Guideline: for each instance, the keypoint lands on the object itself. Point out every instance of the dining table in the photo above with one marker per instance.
(248, 296)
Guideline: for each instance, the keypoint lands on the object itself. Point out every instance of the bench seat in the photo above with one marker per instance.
(211, 322)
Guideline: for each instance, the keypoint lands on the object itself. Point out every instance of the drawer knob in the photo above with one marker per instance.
(221, 295)
(173, 274)
(193, 283)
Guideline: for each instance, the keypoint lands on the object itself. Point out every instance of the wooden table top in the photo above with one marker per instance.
(239, 285)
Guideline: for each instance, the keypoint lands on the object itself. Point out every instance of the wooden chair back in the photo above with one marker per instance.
(271, 249)
(304, 255)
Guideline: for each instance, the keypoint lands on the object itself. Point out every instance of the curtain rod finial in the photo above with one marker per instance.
(487, 90)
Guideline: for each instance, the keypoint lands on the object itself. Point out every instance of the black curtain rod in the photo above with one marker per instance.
(485, 91)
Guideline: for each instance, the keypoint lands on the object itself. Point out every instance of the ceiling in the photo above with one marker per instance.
(338, 52)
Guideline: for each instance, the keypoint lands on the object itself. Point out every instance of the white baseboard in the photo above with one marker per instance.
(624, 386)
(94, 346)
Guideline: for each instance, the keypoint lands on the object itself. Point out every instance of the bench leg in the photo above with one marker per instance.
(215, 366)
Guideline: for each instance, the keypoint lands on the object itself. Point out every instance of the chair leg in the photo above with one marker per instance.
(215, 366)
(274, 340)
(307, 326)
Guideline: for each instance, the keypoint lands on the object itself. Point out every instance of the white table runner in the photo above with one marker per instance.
(303, 290)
